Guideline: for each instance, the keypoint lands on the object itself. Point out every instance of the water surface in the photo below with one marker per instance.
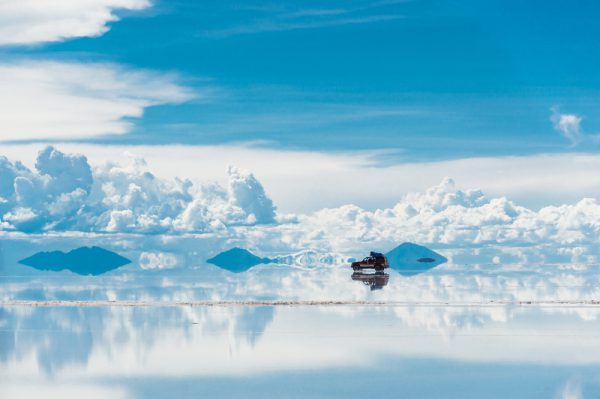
(466, 329)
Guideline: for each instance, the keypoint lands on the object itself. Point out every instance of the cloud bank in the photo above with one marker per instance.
(26, 22)
(64, 193)
(446, 215)
(54, 100)
(352, 177)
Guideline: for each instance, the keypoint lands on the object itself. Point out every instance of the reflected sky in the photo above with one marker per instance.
(175, 269)
(456, 330)
(523, 352)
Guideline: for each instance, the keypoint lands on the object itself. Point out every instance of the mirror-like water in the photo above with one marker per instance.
(306, 351)
(461, 329)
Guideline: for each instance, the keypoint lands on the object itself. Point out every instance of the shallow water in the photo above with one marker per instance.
(310, 351)
(469, 330)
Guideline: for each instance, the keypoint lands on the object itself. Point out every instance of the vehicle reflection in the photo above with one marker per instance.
(375, 281)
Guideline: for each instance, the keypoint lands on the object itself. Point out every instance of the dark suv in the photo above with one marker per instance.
(375, 261)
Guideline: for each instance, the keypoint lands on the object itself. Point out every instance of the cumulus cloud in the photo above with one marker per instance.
(27, 22)
(65, 100)
(341, 178)
(446, 215)
(569, 125)
(64, 193)
(248, 194)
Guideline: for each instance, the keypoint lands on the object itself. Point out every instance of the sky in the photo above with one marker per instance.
(425, 80)
(327, 102)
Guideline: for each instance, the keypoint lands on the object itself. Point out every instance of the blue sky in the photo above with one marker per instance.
(425, 79)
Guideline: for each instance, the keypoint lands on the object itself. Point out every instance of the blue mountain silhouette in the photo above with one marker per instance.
(410, 259)
(237, 260)
(85, 261)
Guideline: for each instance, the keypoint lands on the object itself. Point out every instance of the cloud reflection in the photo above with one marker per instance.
(249, 340)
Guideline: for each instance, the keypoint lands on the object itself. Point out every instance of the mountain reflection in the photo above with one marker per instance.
(84, 260)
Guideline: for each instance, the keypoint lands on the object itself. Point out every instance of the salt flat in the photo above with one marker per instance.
(303, 328)
(317, 351)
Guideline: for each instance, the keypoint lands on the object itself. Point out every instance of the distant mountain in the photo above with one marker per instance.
(237, 260)
(85, 261)
(410, 259)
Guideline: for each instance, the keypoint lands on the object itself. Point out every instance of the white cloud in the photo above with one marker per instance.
(63, 194)
(26, 22)
(121, 220)
(66, 100)
(305, 181)
(445, 215)
(247, 193)
(569, 125)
